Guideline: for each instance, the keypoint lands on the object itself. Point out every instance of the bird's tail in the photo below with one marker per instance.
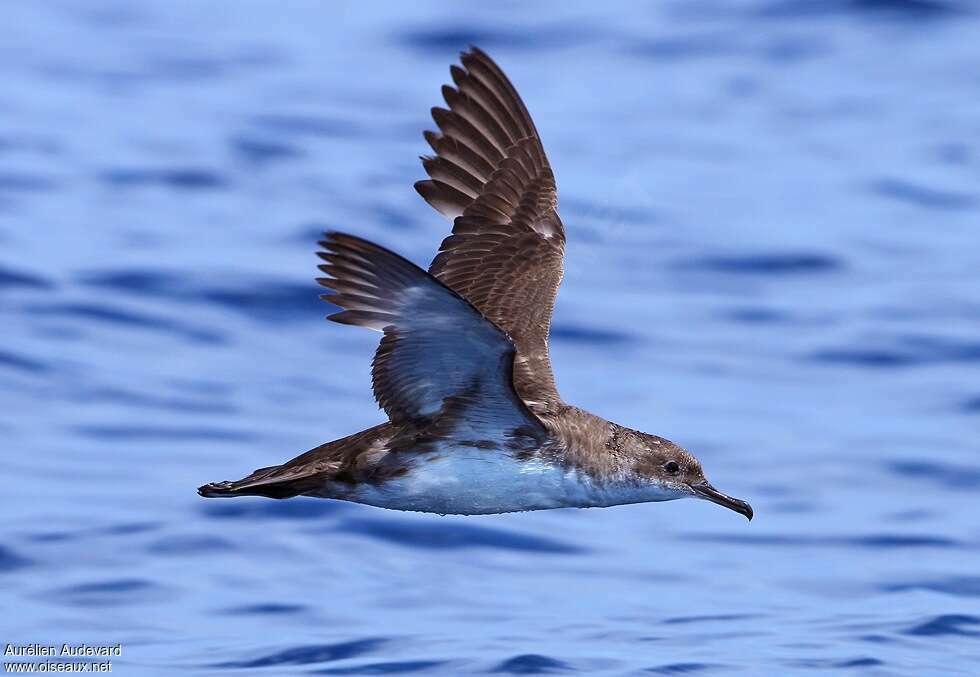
(305, 473)
(270, 482)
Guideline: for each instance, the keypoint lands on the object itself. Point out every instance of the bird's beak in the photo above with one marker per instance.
(708, 492)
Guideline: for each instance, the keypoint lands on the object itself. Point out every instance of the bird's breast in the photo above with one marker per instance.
(465, 482)
(468, 481)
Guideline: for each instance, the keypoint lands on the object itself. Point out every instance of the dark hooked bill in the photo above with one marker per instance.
(706, 491)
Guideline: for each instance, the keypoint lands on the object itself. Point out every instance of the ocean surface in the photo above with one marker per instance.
(773, 214)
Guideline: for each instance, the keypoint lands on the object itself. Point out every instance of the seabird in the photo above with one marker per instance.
(475, 422)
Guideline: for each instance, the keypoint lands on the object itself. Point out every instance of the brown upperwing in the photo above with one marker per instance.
(505, 255)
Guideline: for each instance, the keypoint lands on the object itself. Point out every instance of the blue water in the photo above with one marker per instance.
(773, 210)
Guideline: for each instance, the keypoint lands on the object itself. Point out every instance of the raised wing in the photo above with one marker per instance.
(440, 362)
(490, 174)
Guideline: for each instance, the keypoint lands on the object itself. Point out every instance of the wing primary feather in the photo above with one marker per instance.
(491, 176)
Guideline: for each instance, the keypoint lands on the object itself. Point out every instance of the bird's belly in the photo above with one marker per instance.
(480, 482)
(465, 482)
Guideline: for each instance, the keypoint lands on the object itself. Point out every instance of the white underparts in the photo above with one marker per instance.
(476, 482)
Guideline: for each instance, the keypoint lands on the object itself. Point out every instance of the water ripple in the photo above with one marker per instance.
(758, 315)
(389, 668)
(682, 668)
(948, 475)
(266, 609)
(946, 625)
(249, 509)
(259, 151)
(764, 263)
(270, 300)
(109, 593)
(188, 545)
(897, 10)
(135, 398)
(590, 335)
(261, 298)
(971, 405)
(176, 178)
(716, 618)
(903, 351)
(114, 315)
(21, 363)
(157, 432)
(19, 182)
(683, 47)
(832, 663)
(10, 560)
(921, 196)
(306, 655)
(431, 535)
(15, 278)
(531, 664)
(874, 541)
(295, 125)
(442, 39)
(957, 586)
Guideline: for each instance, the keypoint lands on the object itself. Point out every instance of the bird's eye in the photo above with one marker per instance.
(672, 467)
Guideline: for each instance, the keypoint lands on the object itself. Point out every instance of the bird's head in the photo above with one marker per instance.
(660, 461)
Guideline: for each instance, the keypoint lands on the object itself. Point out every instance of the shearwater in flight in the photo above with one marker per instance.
(476, 425)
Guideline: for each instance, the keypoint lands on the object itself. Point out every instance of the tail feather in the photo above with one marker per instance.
(305, 473)
(262, 482)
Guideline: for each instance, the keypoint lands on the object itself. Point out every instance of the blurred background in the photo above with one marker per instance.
(773, 211)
